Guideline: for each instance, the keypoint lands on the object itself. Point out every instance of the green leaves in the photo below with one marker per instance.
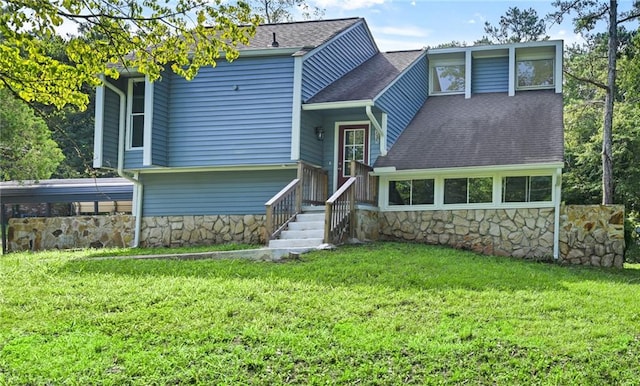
(27, 151)
(143, 36)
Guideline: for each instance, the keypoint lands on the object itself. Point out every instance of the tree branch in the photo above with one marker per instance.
(587, 80)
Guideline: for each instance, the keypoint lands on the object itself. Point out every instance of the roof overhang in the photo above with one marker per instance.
(391, 170)
(338, 105)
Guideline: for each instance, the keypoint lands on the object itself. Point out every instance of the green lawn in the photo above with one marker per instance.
(376, 314)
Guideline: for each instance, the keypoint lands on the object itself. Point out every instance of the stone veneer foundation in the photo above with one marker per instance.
(174, 231)
(524, 233)
(589, 234)
(40, 233)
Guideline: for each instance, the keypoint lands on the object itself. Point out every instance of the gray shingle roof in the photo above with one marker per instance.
(367, 80)
(299, 34)
(487, 129)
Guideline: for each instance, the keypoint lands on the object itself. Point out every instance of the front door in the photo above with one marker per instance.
(353, 144)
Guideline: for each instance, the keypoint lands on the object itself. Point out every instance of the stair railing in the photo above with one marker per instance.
(340, 213)
(366, 184)
(283, 208)
(309, 188)
(315, 186)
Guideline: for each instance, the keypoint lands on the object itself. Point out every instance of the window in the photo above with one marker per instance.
(535, 73)
(411, 192)
(526, 189)
(447, 78)
(468, 190)
(135, 124)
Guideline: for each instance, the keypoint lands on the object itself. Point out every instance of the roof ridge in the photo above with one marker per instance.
(310, 21)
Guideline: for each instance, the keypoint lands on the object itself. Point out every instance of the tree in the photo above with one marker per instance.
(584, 101)
(516, 26)
(27, 151)
(588, 14)
(119, 34)
(278, 11)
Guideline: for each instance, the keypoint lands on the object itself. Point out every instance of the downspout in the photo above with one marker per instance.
(120, 170)
(377, 126)
(556, 215)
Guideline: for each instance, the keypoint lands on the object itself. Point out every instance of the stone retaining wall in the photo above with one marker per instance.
(592, 235)
(174, 231)
(524, 233)
(367, 228)
(41, 233)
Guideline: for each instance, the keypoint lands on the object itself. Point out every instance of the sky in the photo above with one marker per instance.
(412, 24)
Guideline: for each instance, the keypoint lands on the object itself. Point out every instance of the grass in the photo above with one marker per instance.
(377, 314)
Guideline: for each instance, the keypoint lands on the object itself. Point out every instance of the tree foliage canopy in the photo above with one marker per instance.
(142, 35)
(27, 151)
(516, 26)
(279, 11)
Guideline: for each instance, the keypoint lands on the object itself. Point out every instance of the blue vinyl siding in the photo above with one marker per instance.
(490, 75)
(402, 101)
(311, 150)
(159, 131)
(336, 59)
(235, 114)
(133, 159)
(110, 129)
(209, 193)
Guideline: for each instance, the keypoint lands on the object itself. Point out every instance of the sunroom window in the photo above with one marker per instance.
(535, 73)
(411, 192)
(135, 124)
(447, 78)
(468, 190)
(526, 189)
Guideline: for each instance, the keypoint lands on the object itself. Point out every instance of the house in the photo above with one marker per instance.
(459, 146)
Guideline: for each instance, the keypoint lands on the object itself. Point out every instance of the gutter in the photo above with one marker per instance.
(137, 198)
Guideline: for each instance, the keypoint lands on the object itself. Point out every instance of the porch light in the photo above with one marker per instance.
(319, 133)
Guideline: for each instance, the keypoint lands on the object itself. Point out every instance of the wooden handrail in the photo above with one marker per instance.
(283, 208)
(367, 185)
(340, 213)
(315, 185)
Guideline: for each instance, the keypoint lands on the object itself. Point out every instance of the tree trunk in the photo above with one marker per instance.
(607, 157)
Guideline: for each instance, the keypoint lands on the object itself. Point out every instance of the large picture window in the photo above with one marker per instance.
(447, 78)
(468, 190)
(411, 192)
(136, 112)
(535, 73)
(526, 189)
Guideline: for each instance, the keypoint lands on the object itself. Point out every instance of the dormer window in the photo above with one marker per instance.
(535, 73)
(447, 78)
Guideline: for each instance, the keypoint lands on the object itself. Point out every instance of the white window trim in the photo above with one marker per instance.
(130, 83)
(450, 62)
(532, 57)
(496, 203)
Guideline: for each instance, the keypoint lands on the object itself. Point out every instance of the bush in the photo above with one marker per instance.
(632, 238)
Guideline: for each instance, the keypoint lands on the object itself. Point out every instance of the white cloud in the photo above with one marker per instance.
(349, 5)
(409, 31)
(471, 21)
(399, 44)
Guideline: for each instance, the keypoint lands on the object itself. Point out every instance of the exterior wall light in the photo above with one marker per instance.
(319, 133)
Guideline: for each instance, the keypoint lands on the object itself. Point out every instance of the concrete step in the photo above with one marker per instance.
(295, 243)
(303, 234)
(306, 225)
(304, 217)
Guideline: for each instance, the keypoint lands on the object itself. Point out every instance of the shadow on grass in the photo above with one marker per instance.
(395, 266)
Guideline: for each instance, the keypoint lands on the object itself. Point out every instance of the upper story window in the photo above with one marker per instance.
(447, 78)
(535, 73)
(135, 113)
